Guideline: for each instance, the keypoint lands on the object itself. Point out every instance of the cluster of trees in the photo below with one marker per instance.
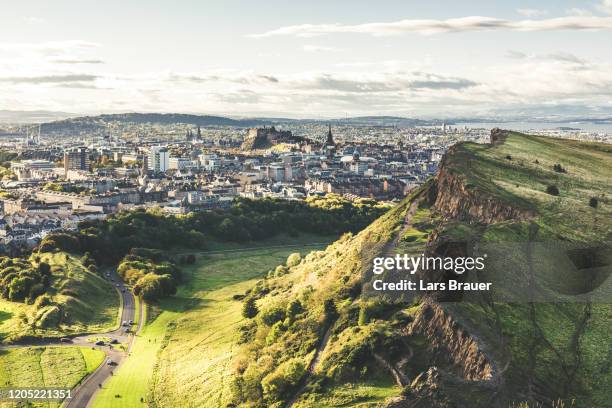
(111, 239)
(152, 274)
(21, 281)
(257, 219)
(153, 287)
(5, 165)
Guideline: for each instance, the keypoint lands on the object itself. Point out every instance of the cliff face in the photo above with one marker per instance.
(454, 200)
(451, 343)
(460, 374)
(264, 138)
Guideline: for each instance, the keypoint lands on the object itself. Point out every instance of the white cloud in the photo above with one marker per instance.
(525, 82)
(49, 47)
(33, 20)
(463, 24)
(560, 56)
(578, 12)
(605, 6)
(527, 12)
(318, 48)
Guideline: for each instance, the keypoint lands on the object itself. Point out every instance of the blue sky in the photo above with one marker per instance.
(309, 59)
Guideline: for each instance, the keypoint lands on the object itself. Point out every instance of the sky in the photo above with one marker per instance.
(315, 59)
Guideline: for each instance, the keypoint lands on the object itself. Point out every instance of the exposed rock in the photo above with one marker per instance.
(498, 136)
(451, 343)
(264, 138)
(455, 200)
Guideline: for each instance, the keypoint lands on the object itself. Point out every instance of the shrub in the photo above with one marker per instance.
(294, 308)
(272, 315)
(249, 308)
(276, 384)
(370, 310)
(281, 270)
(593, 202)
(330, 310)
(294, 259)
(552, 190)
(559, 169)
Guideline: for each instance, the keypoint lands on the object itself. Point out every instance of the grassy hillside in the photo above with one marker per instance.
(60, 367)
(519, 170)
(320, 339)
(560, 347)
(77, 302)
(187, 346)
(280, 343)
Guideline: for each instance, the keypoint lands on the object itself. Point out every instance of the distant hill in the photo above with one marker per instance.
(99, 123)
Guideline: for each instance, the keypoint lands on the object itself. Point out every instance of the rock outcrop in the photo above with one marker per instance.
(451, 343)
(455, 200)
(264, 138)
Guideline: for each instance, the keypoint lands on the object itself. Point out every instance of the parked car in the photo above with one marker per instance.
(65, 340)
(114, 341)
(99, 343)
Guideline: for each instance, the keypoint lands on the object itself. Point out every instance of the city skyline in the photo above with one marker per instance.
(527, 58)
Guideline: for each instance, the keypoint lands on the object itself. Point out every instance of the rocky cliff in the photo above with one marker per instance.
(456, 200)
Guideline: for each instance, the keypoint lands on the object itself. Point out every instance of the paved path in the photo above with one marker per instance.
(83, 394)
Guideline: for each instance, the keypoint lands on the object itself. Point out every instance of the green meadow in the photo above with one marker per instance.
(183, 355)
(32, 367)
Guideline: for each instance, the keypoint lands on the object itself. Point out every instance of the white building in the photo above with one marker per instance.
(210, 161)
(158, 159)
(25, 168)
(181, 163)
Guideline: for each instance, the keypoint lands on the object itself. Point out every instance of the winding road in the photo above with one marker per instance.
(83, 394)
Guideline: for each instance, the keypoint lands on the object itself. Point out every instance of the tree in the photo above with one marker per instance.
(249, 308)
(153, 287)
(330, 310)
(552, 190)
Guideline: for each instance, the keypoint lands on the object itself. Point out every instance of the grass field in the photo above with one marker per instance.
(46, 367)
(186, 347)
(354, 395)
(82, 295)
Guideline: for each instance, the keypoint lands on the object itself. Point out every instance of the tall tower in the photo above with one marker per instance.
(330, 138)
(199, 134)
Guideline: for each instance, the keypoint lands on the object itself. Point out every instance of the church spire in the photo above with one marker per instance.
(330, 138)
